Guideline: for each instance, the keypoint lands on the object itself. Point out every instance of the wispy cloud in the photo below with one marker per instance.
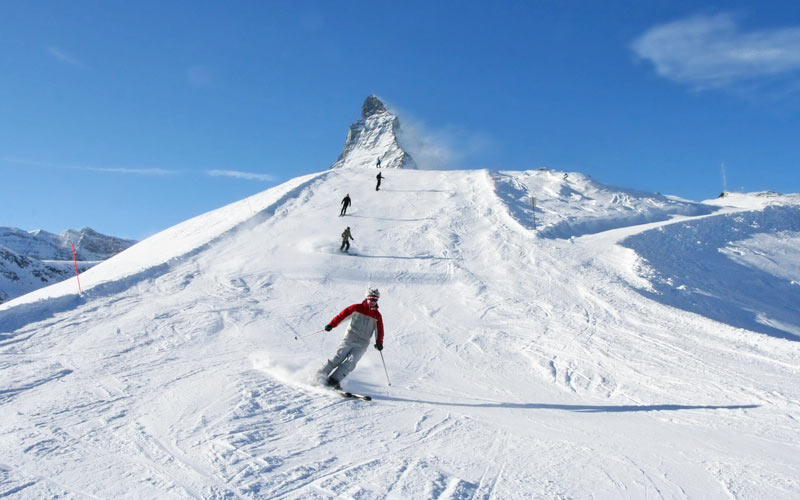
(64, 57)
(143, 171)
(445, 148)
(711, 51)
(240, 175)
(115, 170)
(134, 171)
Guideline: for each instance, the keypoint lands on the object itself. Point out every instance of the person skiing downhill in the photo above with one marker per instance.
(365, 320)
(345, 204)
(346, 237)
(379, 177)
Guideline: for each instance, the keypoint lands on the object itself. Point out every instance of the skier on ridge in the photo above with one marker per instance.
(345, 204)
(364, 321)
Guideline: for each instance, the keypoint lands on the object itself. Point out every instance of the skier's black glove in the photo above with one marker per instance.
(328, 328)
(379, 347)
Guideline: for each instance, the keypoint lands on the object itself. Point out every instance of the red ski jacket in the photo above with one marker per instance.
(364, 323)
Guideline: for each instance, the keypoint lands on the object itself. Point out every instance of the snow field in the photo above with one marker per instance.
(523, 365)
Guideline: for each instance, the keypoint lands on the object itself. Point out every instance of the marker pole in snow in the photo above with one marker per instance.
(297, 337)
(384, 368)
(75, 260)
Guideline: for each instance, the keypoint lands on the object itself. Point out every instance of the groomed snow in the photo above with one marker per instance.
(569, 360)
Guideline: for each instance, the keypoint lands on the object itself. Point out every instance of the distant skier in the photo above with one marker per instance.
(379, 163)
(346, 237)
(345, 204)
(379, 177)
(365, 320)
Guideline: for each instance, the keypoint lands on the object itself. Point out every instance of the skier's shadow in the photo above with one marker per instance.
(575, 408)
(416, 257)
(392, 219)
(418, 191)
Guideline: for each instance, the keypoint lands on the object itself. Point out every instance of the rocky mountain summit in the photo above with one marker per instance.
(374, 138)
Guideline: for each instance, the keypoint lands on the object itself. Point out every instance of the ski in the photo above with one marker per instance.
(352, 395)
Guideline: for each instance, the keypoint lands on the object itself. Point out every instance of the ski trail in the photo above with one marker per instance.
(495, 464)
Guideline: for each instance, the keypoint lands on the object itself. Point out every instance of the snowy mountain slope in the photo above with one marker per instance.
(20, 274)
(572, 204)
(521, 366)
(32, 259)
(738, 268)
(152, 256)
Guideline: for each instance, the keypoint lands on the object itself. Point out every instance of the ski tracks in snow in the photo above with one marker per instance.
(281, 442)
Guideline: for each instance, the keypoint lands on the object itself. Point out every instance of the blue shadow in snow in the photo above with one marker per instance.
(411, 257)
(389, 218)
(418, 191)
(575, 408)
(692, 274)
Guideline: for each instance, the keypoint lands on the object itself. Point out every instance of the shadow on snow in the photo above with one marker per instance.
(389, 218)
(575, 408)
(690, 272)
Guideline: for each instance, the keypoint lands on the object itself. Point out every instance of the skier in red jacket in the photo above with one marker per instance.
(365, 320)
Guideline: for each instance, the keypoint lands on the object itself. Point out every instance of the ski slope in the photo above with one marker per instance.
(570, 359)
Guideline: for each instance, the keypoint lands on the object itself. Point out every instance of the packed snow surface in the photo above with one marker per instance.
(622, 345)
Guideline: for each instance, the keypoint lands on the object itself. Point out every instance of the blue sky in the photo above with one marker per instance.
(130, 117)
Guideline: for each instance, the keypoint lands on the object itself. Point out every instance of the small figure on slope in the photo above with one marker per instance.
(379, 177)
(346, 237)
(345, 204)
(379, 163)
(365, 320)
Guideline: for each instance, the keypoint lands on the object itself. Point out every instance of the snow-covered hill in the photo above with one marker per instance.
(626, 345)
(32, 259)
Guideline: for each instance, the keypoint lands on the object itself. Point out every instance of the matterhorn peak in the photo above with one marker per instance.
(372, 140)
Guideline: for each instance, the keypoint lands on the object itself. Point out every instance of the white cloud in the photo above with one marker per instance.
(115, 170)
(135, 171)
(711, 51)
(142, 171)
(240, 175)
(64, 57)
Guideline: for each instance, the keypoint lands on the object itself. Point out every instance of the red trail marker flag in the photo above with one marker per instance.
(75, 259)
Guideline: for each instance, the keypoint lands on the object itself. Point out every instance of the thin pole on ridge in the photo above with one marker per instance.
(75, 260)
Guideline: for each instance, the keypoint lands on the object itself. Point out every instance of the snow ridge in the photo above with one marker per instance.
(567, 205)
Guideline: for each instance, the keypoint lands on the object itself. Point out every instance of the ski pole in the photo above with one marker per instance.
(384, 368)
(296, 337)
